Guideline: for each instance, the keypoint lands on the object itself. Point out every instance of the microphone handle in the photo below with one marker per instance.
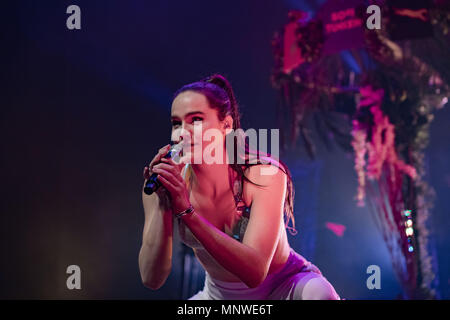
(152, 184)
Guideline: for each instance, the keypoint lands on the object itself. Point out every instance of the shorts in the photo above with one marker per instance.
(299, 279)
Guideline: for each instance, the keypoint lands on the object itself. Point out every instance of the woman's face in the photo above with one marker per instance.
(192, 115)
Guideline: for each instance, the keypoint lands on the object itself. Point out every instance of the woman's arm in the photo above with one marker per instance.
(155, 256)
(249, 260)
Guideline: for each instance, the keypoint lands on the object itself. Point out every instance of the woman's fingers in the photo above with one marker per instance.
(146, 173)
(148, 170)
(172, 169)
(172, 162)
(169, 176)
(161, 153)
(166, 183)
(177, 167)
(167, 166)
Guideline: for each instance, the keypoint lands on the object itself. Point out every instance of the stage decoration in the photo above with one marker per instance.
(336, 228)
(372, 92)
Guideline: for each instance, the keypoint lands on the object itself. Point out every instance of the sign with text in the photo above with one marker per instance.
(342, 27)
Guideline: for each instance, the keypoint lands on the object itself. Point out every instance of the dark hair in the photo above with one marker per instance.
(219, 93)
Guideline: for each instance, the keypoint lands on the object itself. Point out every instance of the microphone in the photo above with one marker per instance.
(153, 183)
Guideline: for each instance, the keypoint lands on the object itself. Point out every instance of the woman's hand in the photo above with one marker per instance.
(169, 174)
(162, 193)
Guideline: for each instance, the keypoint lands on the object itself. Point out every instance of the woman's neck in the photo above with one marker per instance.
(210, 180)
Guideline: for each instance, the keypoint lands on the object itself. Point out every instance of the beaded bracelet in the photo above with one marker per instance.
(187, 211)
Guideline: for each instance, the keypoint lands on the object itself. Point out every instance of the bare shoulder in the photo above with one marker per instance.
(270, 173)
(268, 191)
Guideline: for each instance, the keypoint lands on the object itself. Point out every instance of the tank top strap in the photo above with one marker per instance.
(237, 190)
(238, 195)
(239, 199)
(244, 211)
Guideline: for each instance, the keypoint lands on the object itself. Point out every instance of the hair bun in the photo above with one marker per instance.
(223, 83)
(218, 80)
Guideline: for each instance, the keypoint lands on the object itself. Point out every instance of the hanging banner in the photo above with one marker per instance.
(343, 29)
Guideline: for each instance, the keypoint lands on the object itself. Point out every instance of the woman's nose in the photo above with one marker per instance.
(182, 133)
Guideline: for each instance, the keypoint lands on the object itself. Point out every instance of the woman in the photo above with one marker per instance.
(231, 214)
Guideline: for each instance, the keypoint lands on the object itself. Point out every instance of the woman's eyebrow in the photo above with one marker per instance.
(187, 114)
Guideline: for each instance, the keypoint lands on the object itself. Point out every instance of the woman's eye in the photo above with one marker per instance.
(175, 123)
(195, 119)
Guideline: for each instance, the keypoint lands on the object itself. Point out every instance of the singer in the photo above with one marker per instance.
(231, 215)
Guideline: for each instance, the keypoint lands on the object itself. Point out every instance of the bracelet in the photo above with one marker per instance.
(187, 211)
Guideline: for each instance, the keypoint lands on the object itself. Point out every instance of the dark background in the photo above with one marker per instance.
(84, 110)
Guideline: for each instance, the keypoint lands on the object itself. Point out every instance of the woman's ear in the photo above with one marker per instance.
(228, 124)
